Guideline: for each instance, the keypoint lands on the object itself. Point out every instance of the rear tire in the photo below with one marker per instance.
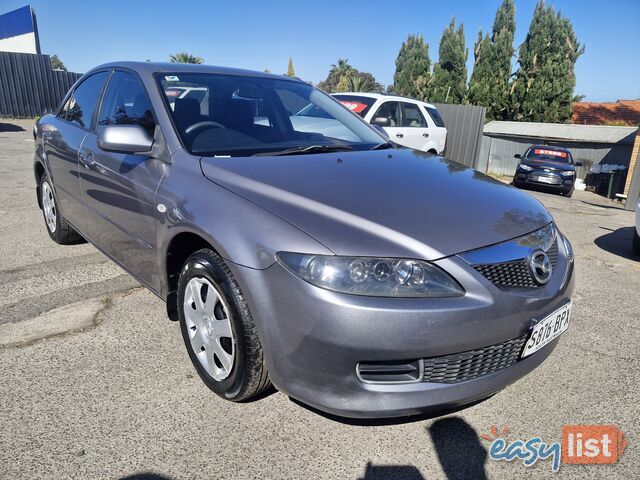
(218, 330)
(57, 227)
(636, 243)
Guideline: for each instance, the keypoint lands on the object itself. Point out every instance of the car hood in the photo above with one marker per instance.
(563, 166)
(382, 203)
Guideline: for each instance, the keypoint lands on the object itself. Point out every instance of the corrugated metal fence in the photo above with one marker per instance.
(28, 85)
(464, 131)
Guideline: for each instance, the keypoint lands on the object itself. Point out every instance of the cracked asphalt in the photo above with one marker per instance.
(119, 397)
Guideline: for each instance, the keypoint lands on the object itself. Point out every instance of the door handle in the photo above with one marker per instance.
(399, 135)
(425, 135)
(87, 160)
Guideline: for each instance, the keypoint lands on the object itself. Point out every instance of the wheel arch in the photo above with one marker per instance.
(181, 246)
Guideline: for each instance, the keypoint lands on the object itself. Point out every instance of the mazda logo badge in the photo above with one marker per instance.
(540, 266)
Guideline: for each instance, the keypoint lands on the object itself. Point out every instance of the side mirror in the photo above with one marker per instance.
(124, 139)
(518, 156)
(578, 164)
(381, 131)
(381, 121)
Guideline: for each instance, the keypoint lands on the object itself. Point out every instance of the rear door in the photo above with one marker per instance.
(414, 127)
(119, 189)
(62, 140)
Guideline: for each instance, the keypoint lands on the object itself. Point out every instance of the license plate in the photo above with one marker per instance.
(545, 180)
(548, 329)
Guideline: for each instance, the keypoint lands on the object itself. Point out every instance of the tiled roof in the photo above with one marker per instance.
(563, 131)
(621, 112)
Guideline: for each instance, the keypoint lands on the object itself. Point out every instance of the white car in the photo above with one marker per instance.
(408, 122)
(636, 233)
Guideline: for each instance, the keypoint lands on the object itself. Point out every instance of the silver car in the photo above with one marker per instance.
(361, 278)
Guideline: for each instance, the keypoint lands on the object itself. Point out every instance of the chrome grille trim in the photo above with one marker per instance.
(506, 265)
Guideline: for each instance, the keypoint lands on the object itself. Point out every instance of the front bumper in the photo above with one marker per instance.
(313, 338)
(536, 179)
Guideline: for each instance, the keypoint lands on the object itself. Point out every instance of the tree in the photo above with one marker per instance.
(412, 68)
(290, 70)
(184, 57)
(56, 63)
(337, 71)
(489, 85)
(356, 81)
(542, 90)
(449, 82)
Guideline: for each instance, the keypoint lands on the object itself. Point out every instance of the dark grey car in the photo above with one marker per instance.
(304, 251)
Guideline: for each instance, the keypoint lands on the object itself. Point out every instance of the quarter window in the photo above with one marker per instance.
(435, 116)
(82, 104)
(413, 116)
(126, 103)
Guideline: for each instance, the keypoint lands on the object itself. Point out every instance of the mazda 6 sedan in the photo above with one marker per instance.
(359, 277)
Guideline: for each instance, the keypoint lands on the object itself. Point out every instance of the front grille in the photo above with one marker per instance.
(471, 364)
(515, 274)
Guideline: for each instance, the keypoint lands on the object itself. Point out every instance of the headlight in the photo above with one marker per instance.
(378, 277)
(526, 168)
(569, 174)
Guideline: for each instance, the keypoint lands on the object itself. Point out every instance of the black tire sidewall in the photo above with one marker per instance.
(204, 265)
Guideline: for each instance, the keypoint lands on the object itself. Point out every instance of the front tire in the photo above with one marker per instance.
(218, 330)
(57, 227)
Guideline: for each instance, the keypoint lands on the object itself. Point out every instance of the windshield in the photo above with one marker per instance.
(234, 115)
(548, 155)
(356, 103)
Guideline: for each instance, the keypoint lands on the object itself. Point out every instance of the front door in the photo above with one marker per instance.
(119, 189)
(388, 116)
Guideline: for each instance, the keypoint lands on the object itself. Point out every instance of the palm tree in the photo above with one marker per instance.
(184, 57)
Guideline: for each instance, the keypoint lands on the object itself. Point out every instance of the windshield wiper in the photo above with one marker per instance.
(303, 150)
(383, 146)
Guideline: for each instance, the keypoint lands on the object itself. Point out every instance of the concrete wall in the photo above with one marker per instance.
(498, 152)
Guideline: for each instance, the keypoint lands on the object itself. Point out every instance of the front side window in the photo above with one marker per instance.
(82, 104)
(126, 103)
(390, 111)
(235, 115)
(412, 116)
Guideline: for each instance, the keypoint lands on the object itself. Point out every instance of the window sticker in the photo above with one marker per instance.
(555, 153)
(171, 78)
(355, 107)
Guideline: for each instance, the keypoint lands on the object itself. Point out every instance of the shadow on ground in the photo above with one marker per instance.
(617, 242)
(146, 476)
(10, 127)
(459, 449)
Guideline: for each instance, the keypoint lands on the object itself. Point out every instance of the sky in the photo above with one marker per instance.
(264, 34)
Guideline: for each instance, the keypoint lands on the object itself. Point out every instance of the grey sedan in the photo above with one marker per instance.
(361, 278)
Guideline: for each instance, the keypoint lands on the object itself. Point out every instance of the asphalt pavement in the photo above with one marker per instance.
(117, 396)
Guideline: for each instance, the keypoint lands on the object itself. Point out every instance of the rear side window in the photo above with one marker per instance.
(126, 103)
(82, 104)
(412, 116)
(435, 116)
(356, 103)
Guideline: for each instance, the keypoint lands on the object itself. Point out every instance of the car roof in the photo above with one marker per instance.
(150, 68)
(386, 96)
